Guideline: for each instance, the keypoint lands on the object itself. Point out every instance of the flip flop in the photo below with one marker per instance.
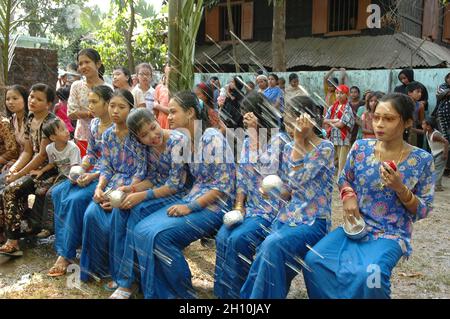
(11, 251)
(57, 270)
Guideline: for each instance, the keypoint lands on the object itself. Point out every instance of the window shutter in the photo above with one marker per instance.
(446, 31)
(320, 16)
(247, 21)
(430, 25)
(212, 25)
(363, 14)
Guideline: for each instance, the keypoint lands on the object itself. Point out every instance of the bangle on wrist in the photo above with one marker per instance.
(194, 206)
(150, 194)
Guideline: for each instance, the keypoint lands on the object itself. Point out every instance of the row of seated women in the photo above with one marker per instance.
(178, 189)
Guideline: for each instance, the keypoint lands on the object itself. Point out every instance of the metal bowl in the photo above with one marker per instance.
(116, 197)
(271, 182)
(355, 231)
(233, 218)
(75, 172)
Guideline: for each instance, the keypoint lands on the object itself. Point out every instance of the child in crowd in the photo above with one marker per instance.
(62, 154)
(414, 91)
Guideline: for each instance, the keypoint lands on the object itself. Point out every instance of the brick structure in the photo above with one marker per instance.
(31, 66)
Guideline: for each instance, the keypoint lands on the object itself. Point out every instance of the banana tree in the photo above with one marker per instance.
(8, 41)
(184, 21)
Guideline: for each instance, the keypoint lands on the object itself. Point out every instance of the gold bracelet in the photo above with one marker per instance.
(411, 200)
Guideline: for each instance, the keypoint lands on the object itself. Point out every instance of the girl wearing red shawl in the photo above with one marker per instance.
(340, 119)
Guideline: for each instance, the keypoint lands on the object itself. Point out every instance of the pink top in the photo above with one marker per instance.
(366, 119)
(61, 112)
(162, 97)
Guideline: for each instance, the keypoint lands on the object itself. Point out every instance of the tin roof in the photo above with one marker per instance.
(356, 52)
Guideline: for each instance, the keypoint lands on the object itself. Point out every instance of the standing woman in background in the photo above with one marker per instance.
(161, 103)
(91, 67)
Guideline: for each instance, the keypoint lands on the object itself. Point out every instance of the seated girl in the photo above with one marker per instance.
(307, 172)
(388, 197)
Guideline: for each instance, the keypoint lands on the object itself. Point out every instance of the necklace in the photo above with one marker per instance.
(381, 185)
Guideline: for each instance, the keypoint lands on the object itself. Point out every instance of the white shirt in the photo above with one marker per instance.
(436, 147)
(142, 97)
(64, 159)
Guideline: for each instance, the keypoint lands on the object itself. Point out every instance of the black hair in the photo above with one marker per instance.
(250, 84)
(63, 93)
(94, 56)
(51, 126)
(357, 89)
(281, 79)
(293, 76)
(274, 76)
(127, 73)
(414, 85)
(187, 100)
(126, 95)
(73, 66)
(24, 93)
(334, 80)
(304, 104)
(104, 92)
(208, 92)
(431, 121)
(239, 82)
(137, 118)
(44, 88)
(214, 78)
(377, 94)
(260, 106)
(447, 77)
(403, 104)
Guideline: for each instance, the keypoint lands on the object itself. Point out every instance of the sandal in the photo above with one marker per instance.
(57, 270)
(121, 294)
(10, 250)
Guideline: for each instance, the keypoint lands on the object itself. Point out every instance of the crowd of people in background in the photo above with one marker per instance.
(136, 136)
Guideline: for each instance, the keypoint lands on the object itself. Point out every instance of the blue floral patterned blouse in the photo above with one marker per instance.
(310, 181)
(252, 168)
(214, 169)
(384, 214)
(122, 161)
(94, 149)
(168, 168)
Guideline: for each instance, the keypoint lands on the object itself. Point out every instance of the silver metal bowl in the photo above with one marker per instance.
(233, 218)
(271, 182)
(116, 197)
(75, 172)
(355, 231)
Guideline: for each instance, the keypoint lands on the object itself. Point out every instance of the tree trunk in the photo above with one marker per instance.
(279, 36)
(174, 44)
(129, 37)
(233, 40)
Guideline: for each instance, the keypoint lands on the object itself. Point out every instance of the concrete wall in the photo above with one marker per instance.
(377, 80)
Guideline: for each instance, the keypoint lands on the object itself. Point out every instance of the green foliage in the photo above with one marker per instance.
(148, 39)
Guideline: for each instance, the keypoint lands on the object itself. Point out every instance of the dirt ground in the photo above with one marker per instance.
(425, 275)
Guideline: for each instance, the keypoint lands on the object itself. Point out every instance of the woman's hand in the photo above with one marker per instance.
(125, 189)
(106, 206)
(391, 178)
(351, 209)
(178, 210)
(132, 200)
(85, 179)
(99, 195)
(12, 177)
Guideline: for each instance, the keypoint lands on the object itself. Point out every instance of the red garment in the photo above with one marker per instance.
(61, 112)
(82, 145)
(338, 112)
